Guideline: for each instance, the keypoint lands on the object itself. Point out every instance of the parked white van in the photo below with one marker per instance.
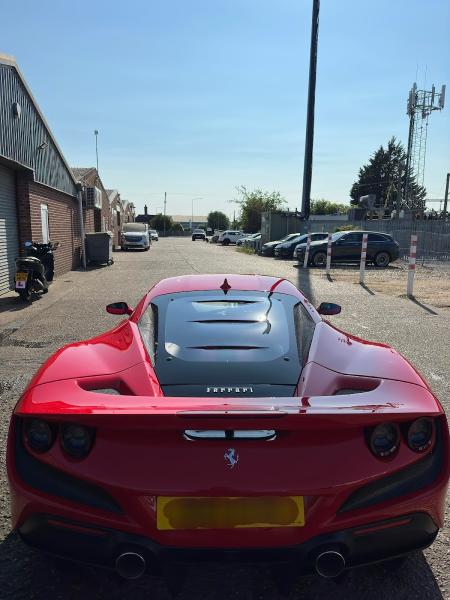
(135, 235)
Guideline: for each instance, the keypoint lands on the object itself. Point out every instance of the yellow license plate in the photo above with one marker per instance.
(229, 512)
(21, 276)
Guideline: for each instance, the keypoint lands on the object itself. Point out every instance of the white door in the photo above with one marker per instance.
(44, 223)
(9, 241)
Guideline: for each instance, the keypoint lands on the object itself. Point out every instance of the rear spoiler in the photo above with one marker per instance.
(391, 399)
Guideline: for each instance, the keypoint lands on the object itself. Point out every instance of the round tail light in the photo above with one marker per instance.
(76, 440)
(420, 434)
(39, 435)
(385, 439)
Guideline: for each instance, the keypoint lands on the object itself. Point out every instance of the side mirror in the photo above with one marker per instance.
(119, 308)
(328, 308)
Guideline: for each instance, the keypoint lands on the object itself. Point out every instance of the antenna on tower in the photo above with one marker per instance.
(420, 105)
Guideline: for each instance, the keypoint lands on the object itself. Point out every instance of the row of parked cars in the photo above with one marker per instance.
(382, 249)
(345, 247)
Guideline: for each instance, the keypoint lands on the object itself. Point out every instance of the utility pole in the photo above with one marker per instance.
(309, 137)
(446, 196)
(165, 201)
(96, 146)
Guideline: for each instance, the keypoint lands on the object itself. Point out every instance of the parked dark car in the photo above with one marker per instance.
(199, 234)
(346, 247)
(286, 249)
(269, 247)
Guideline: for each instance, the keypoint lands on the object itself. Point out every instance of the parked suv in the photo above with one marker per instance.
(346, 247)
(198, 234)
(135, 235)
(230, 236)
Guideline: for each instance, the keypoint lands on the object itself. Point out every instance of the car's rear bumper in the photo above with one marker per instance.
(361, 545)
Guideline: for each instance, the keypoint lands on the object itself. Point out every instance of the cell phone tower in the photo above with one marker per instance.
(421, 103)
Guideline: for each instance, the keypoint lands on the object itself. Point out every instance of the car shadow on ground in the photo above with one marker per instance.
(26, 573)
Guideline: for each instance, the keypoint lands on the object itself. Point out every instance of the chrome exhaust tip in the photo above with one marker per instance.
(130, 565)
(330, 564)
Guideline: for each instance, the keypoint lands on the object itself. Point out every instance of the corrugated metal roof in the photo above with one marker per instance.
(29, 141)
(80, 172)
(187, 218)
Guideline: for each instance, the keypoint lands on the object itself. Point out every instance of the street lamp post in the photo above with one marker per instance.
(192, 209)
(309, 137)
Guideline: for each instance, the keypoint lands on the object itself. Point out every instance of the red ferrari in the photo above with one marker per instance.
(224, 417)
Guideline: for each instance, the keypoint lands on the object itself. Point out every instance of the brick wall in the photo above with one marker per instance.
(91, 179)
(89, 221)
(63, 224)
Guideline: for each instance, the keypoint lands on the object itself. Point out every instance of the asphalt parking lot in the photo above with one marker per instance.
(74, 310)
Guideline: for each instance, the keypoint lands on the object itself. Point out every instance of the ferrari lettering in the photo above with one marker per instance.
(229, 390)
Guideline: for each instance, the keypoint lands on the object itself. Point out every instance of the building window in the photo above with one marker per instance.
(44, 224)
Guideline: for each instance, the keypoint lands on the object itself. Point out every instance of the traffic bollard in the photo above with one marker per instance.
(329, 254)
(362, 265)
(411, 265)
(308, 246)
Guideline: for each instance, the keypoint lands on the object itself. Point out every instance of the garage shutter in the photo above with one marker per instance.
(9, 244)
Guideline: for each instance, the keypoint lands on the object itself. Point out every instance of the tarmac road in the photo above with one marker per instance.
(74, 310)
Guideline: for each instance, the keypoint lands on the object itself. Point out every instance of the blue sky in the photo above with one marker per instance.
(196, 97)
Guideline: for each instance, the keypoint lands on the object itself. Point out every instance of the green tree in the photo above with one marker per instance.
(254, 203)
(218, 220)
(158, 222)
(383, 174)
(177, 227)
(326, 207)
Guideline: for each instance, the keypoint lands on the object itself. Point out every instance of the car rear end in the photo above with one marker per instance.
(168, 480)
(232, 439)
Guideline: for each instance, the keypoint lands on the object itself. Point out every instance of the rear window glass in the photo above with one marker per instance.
(377, 237)
(213, 338)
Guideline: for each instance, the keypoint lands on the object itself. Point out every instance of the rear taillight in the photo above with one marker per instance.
(76, 440)
(385, 439)
(421, 434)
(39, 435)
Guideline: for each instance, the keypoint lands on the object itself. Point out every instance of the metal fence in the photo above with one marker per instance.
(433, 236)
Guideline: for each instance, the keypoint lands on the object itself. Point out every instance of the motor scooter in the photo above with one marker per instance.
(35, 270)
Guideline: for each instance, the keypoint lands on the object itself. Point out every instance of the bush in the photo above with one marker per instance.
(347, 228)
